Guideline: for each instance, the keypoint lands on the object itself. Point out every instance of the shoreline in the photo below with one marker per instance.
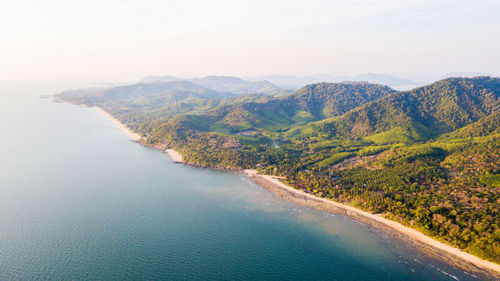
(131, 134)
(175, 155)
(444, 252)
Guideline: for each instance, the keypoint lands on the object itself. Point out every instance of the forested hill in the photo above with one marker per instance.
(429, 111)
(312, 102)
(324, 100)
(441, 107)
(428, 158)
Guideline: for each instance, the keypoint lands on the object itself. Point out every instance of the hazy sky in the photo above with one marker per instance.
(126, 40)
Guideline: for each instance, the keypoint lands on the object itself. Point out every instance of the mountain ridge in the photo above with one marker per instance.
(229, 84)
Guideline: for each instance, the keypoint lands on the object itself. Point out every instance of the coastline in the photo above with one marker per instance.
(131, 134)
(444, 252)
(175, 155)
(447, 253)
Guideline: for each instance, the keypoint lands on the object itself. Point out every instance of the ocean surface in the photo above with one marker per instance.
(80, 201)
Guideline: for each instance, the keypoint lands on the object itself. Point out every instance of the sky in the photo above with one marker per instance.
(126, 40)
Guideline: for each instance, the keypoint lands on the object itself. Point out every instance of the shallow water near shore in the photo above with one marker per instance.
(80, 201)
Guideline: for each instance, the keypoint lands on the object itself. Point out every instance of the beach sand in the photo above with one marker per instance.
(447, 253)
(175, 155)
(131, 134)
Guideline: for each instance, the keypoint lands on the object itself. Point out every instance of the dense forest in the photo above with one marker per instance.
(428, 158)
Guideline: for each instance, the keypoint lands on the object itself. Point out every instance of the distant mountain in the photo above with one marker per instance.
(220, 83)
(294, 82)
(275, 84)
(465, 74)
(158, 93)
(383, 79)
(165, 79)
(227, 84)
(260, 87)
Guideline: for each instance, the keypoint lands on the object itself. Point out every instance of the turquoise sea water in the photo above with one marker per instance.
(79, 201)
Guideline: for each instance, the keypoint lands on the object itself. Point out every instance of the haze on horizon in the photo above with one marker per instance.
(115, 40)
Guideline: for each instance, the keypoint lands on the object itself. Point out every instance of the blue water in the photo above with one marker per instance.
(79, 201)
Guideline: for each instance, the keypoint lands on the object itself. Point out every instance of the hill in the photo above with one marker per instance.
(312, 102)
(428, 111)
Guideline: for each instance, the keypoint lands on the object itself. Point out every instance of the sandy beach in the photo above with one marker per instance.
(445, 252)
(131, 134)
(175, 155)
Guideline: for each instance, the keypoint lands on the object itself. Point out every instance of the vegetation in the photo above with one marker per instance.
(428, 158)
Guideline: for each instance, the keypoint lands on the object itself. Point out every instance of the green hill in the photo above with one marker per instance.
(441, 107)
(313, 102)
